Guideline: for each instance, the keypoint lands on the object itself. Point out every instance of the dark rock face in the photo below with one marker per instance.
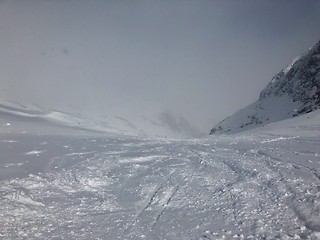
(296, 88)
(301, 81)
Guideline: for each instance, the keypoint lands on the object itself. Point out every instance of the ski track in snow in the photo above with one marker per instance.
(131, 188)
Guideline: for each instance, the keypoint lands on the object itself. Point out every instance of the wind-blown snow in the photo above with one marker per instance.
(261, 184)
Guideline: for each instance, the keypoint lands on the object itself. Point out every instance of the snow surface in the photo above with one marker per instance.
(62, 182)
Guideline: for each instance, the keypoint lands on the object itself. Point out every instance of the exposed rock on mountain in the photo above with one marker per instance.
(295, 90)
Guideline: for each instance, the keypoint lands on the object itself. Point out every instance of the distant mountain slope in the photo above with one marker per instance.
(295, 90)
(164, 124)
(17, 118)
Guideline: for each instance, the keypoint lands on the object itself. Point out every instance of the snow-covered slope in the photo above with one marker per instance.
(260, 184)
(293, 91)
(164, 124)
(17, 118)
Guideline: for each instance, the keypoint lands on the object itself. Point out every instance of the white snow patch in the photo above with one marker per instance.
(9, 141)
(139, 159)
(288, 68)
(35, 152)
(79, 153)
(278, 139)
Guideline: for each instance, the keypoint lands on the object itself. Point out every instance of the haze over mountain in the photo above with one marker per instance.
(63, 180)
(166, 125)
(186, 63)
(295, 90)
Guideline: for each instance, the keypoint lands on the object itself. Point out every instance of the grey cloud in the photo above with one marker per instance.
(178, 124)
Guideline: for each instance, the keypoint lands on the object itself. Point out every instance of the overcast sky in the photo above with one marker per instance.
(202, 59)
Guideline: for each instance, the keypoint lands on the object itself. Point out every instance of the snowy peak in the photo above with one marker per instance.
(295, 90)
(300, 80)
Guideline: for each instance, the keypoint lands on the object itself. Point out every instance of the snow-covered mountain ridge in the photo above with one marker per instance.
(163, 124)
(295, 90)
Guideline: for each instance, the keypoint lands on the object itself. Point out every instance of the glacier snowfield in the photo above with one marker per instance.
(62, 184)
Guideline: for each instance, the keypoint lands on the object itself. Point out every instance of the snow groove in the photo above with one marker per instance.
(165, 205)
(152, 197)
(298, 202)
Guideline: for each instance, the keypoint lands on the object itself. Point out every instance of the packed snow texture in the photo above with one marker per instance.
(293, 91)
(64, 182)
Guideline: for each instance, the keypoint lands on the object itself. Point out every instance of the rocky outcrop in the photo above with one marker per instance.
(293, 91)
